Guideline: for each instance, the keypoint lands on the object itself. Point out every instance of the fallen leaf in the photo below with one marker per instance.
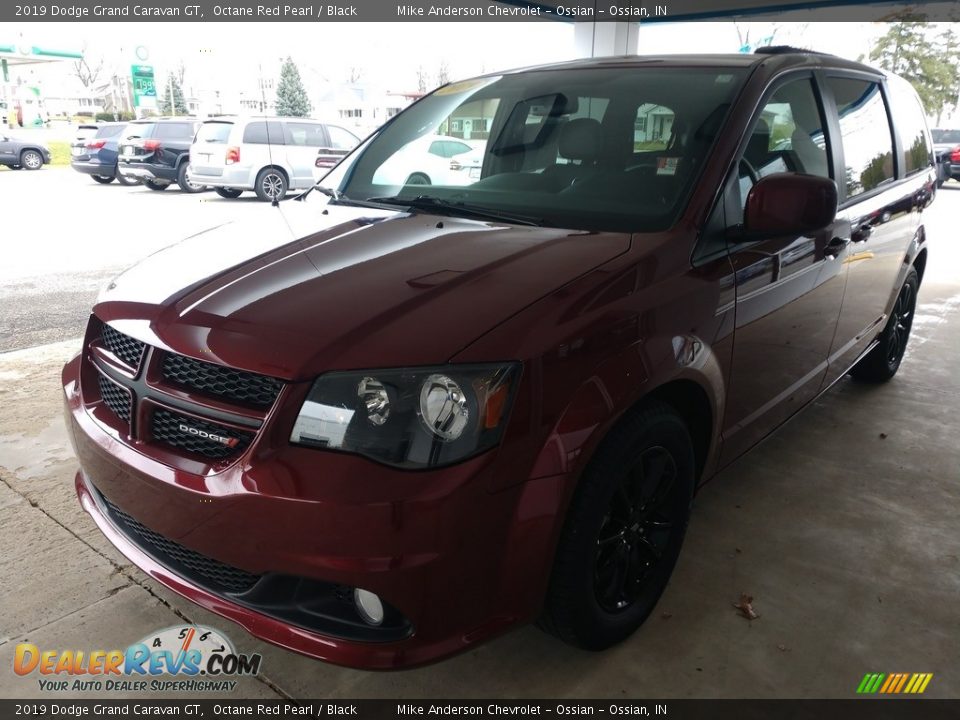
(666, 616)
(738, 550)
(745, 606)
(883, 436)
(783, 648)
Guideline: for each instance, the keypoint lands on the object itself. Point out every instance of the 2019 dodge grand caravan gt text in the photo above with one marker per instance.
(389, 422)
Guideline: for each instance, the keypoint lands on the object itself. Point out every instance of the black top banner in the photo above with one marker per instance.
(467, 10)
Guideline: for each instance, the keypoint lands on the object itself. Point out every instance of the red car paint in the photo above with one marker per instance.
(598, 320)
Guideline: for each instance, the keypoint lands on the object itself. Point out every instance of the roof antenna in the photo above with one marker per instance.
(263, 103)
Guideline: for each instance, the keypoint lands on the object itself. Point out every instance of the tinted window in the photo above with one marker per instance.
(109, 131)
(946, 136)
(214, 132)
(173, 131)
(911, 126)
(341, 139)
(787, 137)
(865, 133)
(259, 131)
(141, 130)
(306, 134)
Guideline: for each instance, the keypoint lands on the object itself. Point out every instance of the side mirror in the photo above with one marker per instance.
(789, 204)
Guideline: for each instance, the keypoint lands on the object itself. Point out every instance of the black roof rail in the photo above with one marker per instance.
(787, 50)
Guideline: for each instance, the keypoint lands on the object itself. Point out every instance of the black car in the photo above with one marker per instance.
(946, 145)
(157, 152)
(96, 155)
(18, 154)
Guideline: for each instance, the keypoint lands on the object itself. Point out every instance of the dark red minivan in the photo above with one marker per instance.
(389, 421)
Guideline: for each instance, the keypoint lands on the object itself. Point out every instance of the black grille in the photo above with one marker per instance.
(222, 382)
(124, 347)
(167, 429)
(115, 397)
(203, 570)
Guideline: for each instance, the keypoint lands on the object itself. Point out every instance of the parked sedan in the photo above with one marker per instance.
(97, 155)
(946, 145)
(433, 160)
(16, 153)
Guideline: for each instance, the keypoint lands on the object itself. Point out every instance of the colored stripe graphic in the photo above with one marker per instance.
(894, 683)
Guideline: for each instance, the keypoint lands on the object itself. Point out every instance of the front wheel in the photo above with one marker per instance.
(102, 179)
(882, 363)
(271, 185)
(228, 193)
(624, 529)
(153, 185)
(31, 160)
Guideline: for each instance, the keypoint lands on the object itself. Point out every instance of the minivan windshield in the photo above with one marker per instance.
(612, 148)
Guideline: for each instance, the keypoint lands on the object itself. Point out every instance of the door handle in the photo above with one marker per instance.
(861, 234)
(835, 247)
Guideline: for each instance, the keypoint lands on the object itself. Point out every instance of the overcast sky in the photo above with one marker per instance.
(390, 53)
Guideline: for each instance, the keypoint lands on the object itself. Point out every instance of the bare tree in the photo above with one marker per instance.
(87, 71)
(443, 73)
(354, 74)
(422, 79)
(181, 71)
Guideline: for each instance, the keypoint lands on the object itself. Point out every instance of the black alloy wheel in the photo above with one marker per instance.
(636, 530)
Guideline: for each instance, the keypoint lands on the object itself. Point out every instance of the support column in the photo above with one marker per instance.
(602, 39)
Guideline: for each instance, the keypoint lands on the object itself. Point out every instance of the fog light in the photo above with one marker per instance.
(369, 606)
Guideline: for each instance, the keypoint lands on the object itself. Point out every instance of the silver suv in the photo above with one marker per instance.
(266, 155)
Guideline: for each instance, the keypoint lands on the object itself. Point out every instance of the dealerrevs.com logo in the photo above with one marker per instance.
(198, 659)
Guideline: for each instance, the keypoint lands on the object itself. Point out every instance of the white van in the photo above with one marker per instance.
(266, 155)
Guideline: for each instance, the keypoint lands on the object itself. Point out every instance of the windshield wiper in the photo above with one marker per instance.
(456, 208)
(337, 197)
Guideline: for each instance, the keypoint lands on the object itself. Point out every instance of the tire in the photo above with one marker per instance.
(153, 185)
(128, 182)
(882, 363)
(417, 178)
(31, 160)
(185, 185)
(271, 185)
(102, 179)
(623, 531)
(228, 193)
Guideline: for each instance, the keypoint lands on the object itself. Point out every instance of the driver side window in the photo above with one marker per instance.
(787, 137)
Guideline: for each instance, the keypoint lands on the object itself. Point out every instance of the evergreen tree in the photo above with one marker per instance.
(292, 100)
(930, 60)
(179, 105)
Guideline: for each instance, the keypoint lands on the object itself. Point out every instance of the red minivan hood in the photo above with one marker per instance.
(299, 292)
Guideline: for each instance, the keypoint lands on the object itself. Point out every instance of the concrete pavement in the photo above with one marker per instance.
(842, 525)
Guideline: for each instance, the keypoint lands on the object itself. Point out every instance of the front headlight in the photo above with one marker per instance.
(410, 417)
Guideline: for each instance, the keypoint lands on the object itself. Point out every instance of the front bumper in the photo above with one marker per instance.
(459, 562)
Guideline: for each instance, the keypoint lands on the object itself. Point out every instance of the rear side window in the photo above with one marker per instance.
(911, 126)
(865, 134)
(261, 132)
(173, 131)
(306, 134)
(214, 132)
(341, 139)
